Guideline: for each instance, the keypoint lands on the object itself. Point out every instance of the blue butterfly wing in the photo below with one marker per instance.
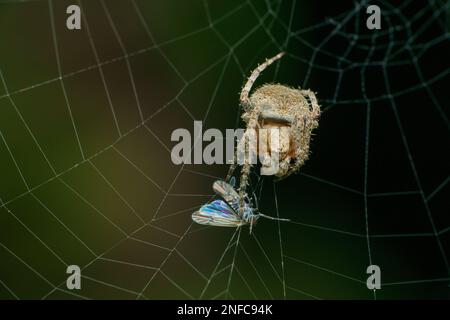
(217, 213)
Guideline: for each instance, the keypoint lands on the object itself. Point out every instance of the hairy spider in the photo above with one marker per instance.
(294, 112)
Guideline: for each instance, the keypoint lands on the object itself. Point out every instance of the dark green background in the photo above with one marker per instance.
(379, 161)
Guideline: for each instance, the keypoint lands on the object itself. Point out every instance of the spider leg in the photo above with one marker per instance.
(235, 163)
(245, 144)
(232, 168)
(243, 183)
(315, 108)
(284, 167)
(244, 98)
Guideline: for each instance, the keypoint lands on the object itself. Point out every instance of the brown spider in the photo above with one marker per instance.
(294, 112)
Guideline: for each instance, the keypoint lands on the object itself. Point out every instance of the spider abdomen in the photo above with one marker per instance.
(295, 113)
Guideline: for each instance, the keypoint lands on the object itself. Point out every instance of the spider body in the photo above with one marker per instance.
(294, 112)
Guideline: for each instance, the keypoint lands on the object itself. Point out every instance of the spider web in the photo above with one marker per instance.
(87, 177)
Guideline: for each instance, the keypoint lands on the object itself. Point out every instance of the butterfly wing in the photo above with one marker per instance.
(217, 213)
(227, 192)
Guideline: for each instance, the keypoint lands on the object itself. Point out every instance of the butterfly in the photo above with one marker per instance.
(225, 213)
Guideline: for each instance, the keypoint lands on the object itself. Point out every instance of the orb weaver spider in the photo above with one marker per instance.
(295, 111)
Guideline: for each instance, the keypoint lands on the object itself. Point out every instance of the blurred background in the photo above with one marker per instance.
(86, 176)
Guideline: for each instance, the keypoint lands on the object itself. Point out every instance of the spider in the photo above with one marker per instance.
(294, 112)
